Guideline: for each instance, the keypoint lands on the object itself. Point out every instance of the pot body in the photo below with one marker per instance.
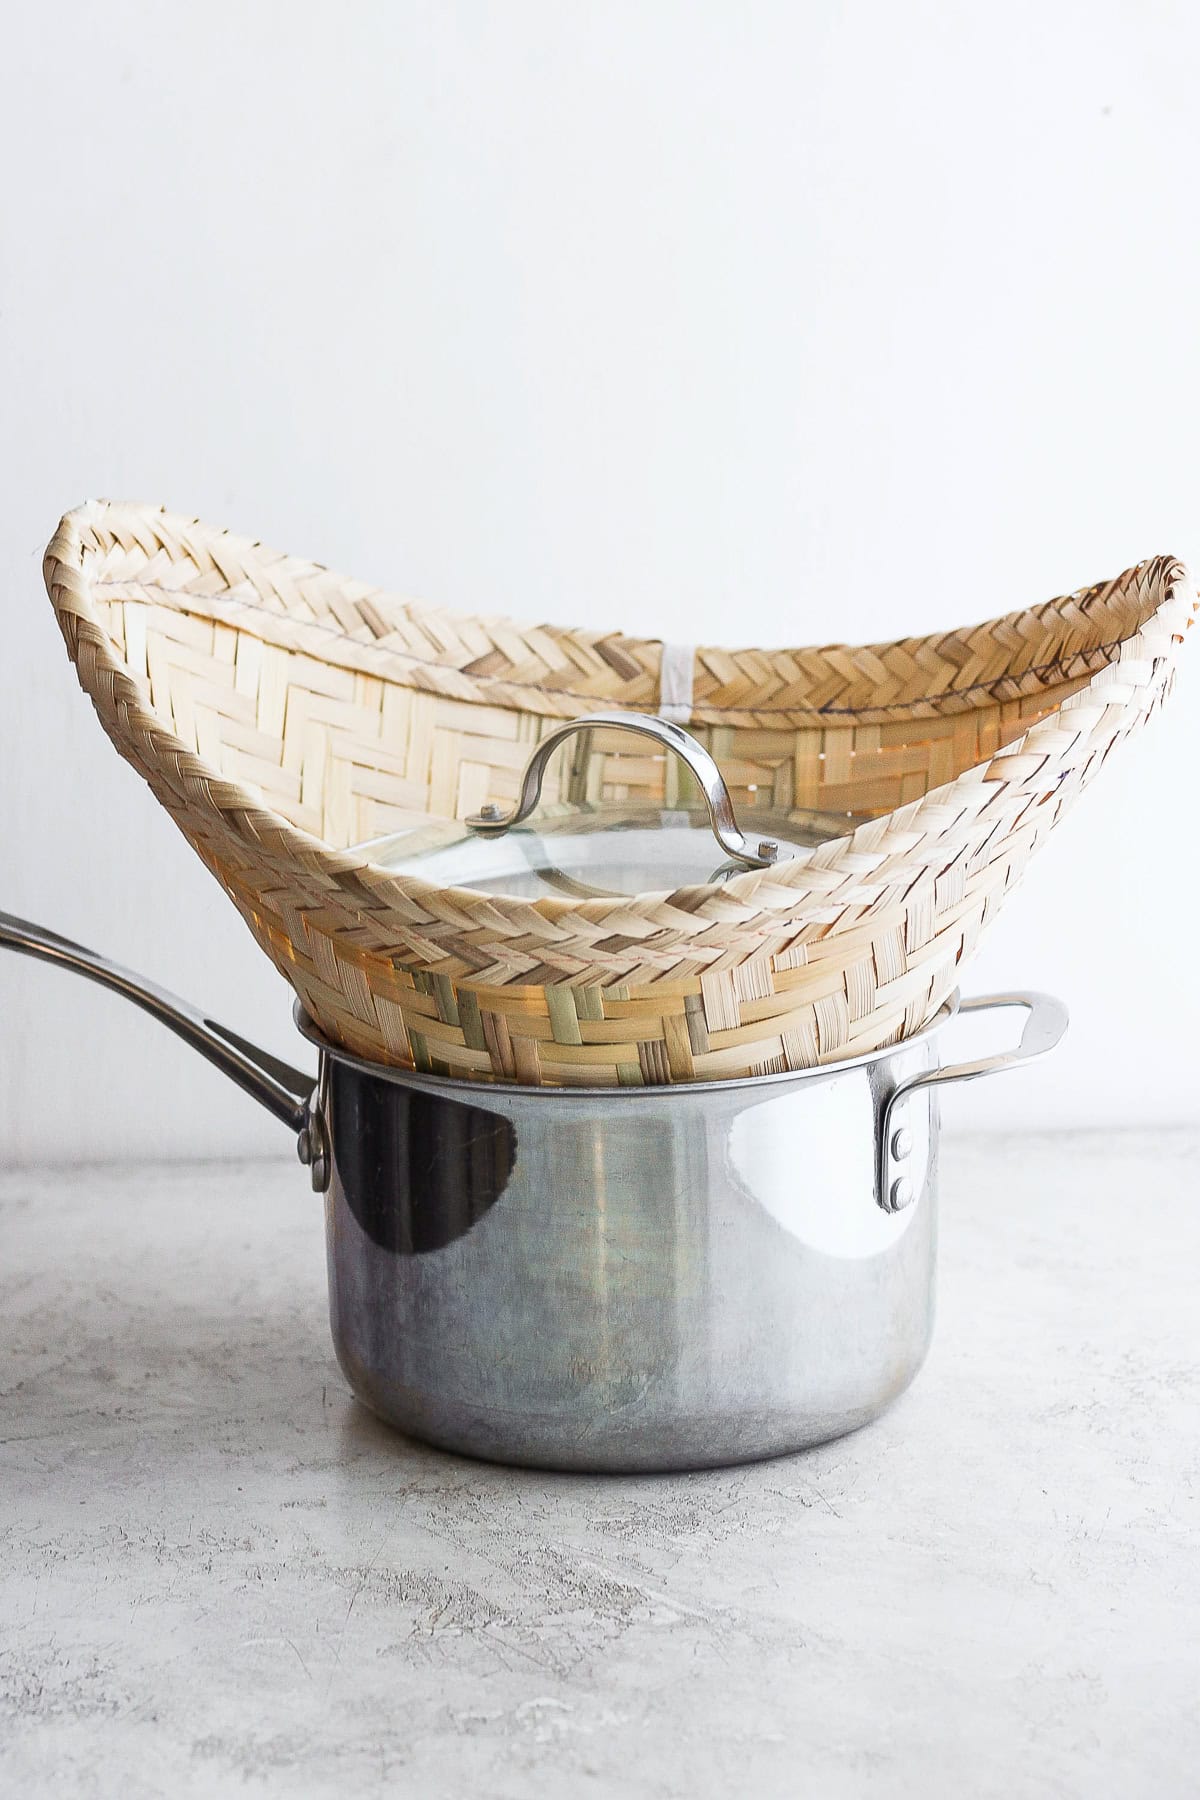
(618, 1279)
(628, 1279)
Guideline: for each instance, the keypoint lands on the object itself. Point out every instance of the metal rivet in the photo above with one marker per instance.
(902, 1193)
(312, 1149)
(902, 1143)
(768, 849)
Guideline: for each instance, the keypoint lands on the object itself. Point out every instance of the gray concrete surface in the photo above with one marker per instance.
(218, 1576)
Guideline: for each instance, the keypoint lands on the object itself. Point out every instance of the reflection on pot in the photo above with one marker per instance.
(417, 1171)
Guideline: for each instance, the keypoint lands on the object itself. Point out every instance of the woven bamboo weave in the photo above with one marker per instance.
(283, 714)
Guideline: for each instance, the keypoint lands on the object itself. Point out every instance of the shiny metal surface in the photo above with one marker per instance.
(491, 822)
(618, 1279)
(646, 1279)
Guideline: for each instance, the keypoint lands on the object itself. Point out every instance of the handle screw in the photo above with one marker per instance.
(768, 849)
(489, 810)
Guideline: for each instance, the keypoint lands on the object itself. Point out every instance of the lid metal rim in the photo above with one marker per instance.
(452, 1086)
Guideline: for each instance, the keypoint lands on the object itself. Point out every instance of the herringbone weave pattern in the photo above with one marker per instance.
(282, 714)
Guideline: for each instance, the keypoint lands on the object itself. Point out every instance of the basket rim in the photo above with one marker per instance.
(543, 699)
(862, 852)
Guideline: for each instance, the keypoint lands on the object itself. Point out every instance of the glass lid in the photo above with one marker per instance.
(595, 852)
(600, 849)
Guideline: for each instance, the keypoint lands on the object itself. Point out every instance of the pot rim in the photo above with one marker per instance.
(455, 1086)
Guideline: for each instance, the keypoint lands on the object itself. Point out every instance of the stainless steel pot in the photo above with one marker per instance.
(618, 1279)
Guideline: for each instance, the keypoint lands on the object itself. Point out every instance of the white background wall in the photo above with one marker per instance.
(728, 321)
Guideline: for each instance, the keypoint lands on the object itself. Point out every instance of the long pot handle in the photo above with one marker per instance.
(1046, 1021)
(491, 822)
(284, 1091)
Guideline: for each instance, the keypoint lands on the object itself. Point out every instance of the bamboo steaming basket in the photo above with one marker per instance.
(283, 714)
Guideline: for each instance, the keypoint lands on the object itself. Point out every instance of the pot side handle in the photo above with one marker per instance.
(1046, 1021)
(284, 1091)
